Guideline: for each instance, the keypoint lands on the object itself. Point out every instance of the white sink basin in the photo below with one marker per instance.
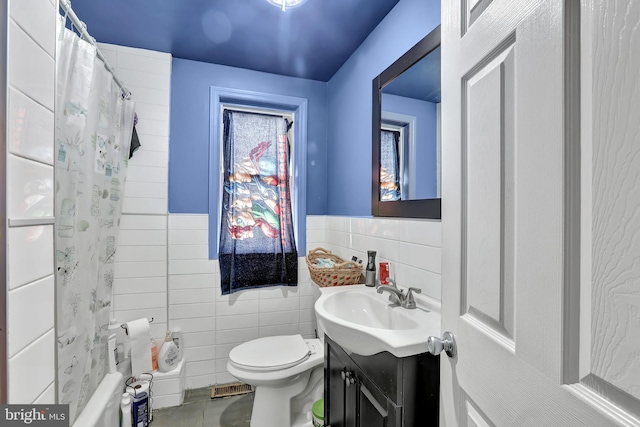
(364, 322)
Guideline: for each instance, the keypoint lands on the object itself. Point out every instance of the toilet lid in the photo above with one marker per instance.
(270, 353)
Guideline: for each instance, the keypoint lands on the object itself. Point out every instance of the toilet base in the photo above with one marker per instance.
(288, 404)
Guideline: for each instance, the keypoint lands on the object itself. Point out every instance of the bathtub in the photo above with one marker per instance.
(103, 409)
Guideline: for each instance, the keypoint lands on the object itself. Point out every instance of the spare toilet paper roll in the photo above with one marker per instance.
(140, 338)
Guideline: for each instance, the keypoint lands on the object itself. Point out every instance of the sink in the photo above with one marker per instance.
(364, 322)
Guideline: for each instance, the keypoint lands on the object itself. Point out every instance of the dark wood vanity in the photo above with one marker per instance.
(380, 390)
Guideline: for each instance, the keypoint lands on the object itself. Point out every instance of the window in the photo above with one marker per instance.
(297, 108)
(390, 171)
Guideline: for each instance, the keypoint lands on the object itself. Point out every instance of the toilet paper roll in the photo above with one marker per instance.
(140, 338)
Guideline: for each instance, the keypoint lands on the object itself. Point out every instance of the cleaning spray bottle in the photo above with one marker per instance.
(168, 355)
(125, 411)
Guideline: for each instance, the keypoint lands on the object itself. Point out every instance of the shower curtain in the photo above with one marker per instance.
(93, 133)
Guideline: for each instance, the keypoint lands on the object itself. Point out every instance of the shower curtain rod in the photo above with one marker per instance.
(82, 28)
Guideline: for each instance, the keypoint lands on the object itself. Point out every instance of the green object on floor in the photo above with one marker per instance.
(318, 413)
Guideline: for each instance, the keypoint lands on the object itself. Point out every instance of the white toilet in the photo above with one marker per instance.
(288, 375)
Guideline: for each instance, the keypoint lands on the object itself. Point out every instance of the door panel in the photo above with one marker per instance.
(475, 417)
(610, 362)
(487, 282)
(338, 410)
(372, 410)
(506, 252)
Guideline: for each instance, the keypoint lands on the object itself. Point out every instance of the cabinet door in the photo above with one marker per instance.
(339, 397)
(374, 408)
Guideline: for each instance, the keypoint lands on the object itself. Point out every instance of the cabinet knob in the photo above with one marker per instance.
(348, 377)
(447, 343)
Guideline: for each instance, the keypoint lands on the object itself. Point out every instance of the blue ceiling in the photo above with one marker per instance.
(311, 41)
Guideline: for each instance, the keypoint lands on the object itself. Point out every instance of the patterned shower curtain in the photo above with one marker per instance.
(93, 133)
(257, 246)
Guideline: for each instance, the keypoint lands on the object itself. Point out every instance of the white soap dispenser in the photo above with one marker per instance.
(168, 355)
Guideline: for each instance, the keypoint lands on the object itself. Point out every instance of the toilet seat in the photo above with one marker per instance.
(270, 353)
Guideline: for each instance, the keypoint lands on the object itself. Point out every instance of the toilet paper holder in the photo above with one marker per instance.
(124, 326)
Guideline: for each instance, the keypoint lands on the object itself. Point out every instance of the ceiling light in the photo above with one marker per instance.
(284, 4)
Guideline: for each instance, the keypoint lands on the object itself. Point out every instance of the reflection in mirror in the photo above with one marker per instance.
(409, 138)
(406, 134)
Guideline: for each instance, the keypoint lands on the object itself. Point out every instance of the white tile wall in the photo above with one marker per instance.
(140, 284)
(212, 324)
(30, 124)
(411, 246)
(38, 296)
(30, 291)
(32, 192)
(147, 74)
(37, 21)
(192, 296)
(30, 68)
(29, 254)
(32, 370)
(168, 387)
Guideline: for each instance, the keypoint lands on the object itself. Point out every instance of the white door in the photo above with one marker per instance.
(541, 227)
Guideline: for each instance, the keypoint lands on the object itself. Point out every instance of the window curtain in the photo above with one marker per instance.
(93, 132)
(257, 246)
(389, 165)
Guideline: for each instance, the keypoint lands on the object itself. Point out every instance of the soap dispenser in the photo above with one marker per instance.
(370, 272)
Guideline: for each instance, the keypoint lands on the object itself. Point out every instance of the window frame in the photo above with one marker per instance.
(220, 97)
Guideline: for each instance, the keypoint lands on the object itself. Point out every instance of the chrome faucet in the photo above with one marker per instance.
(398, 297)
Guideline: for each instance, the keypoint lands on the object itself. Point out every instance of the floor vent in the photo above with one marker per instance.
(232, 389)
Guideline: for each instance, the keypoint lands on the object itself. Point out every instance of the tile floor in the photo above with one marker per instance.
(199, 410)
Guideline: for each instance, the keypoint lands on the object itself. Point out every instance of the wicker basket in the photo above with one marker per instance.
(343, 273)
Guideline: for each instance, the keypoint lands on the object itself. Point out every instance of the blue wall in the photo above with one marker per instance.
(190, 124)
(339, 117)
(349, 103)
(426, 154)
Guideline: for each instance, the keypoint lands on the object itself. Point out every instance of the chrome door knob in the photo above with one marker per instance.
(435, 345)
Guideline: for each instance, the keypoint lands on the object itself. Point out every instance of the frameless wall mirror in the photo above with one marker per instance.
(405, 165)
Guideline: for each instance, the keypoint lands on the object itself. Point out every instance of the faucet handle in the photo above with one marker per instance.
(409, 302)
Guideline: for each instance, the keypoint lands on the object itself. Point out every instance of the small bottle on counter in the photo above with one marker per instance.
(370, 272)
(384, 273)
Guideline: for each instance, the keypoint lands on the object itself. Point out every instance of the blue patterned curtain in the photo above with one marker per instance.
(257, 246)
(389, 165)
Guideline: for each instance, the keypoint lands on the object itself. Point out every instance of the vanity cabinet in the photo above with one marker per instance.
(380, 390)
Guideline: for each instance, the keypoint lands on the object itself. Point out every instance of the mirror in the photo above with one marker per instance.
(405, 166)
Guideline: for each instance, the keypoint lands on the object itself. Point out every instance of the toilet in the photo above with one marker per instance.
(288, 375)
